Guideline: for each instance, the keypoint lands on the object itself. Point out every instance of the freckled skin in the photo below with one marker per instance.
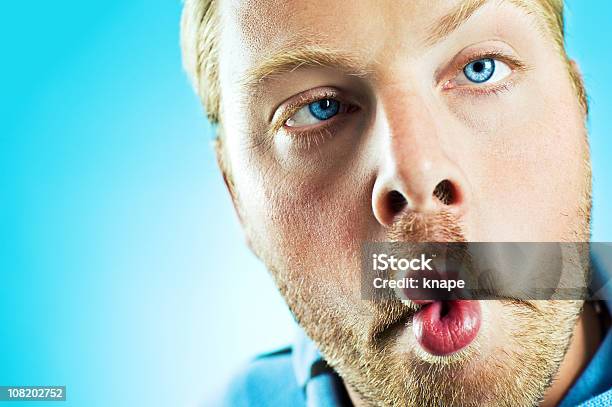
(518, 160)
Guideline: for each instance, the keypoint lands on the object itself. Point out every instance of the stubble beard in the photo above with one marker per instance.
(361, 342)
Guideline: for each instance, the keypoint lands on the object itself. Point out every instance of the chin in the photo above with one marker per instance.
(510, 362)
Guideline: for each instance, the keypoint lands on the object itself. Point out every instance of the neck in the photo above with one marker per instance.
(585, 341)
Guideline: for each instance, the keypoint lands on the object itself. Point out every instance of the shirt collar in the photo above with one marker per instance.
(305, 356)
(321, 385)
(601, 262)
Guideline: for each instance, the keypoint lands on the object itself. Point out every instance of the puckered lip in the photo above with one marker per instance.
(390, 329)
(443, 328)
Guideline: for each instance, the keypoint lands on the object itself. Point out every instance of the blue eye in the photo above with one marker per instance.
(316, 112)
(480, 71)
(324, 109)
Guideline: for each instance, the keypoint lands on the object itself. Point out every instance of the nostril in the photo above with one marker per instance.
(397, 202)
(445, 192)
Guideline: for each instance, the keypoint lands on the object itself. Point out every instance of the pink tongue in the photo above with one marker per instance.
(442, 328)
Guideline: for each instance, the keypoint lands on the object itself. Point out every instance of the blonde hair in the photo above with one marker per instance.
(199, 43)
(199, 26)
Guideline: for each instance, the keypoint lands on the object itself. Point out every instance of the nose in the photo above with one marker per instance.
(418, 169)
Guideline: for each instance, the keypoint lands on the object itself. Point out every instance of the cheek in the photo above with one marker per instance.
(309, 230)
(310, 226)
(533, 181)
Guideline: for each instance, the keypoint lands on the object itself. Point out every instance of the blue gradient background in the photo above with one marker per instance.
(116, 235)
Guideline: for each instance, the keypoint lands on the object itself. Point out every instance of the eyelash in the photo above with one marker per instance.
(483, 90)
(307, 139)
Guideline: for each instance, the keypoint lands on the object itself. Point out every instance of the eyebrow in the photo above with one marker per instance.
(451, 21)
(291, 58)
(462, 12)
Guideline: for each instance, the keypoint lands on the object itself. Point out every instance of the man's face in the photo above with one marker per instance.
(403, 120)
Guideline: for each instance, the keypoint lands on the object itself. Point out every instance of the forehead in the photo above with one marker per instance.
(268, 24)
